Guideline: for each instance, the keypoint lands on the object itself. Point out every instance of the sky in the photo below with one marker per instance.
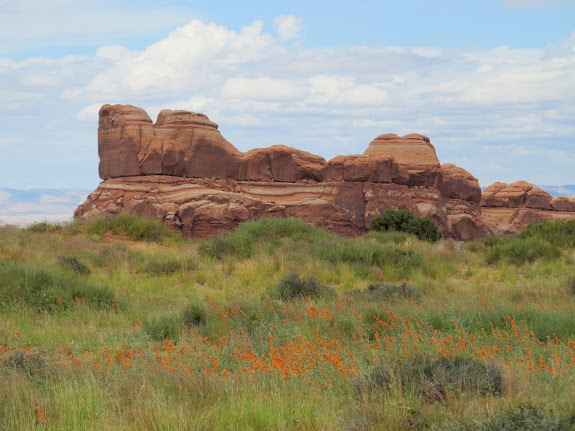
(492, 82)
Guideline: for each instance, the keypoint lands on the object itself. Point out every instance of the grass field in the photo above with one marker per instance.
(121, 325)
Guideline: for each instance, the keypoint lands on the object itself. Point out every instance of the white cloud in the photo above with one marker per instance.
(112, 52)
(89, 113)
(191, 58)
(288, 26)
(263, 89)
(329, 101)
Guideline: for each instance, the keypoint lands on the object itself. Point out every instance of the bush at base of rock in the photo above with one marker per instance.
(403, 221)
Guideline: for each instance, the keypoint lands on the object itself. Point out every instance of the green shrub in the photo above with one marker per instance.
(403, 221)
(242, 242)
(424, 229)
(292, 287)
(392, 220)
(164, 328)
(72, 263)
(133, 226)
(367, 253)
(165, 266)
(518, 251)
(433, 378)
(389, 292)
(42, 227)
(235, 244)
(377, 224)
(557, 232)
(97, 296)
(42, 289)
(195, 314)
(28, 362)
(571, 285)
(526, 417)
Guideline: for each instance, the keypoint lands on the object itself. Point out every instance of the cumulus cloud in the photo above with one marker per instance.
(288, 26)
(475, 104)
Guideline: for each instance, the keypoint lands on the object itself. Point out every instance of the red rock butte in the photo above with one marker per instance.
(183, 171)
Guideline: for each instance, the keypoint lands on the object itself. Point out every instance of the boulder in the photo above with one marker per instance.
(457, 183)
(562, 203)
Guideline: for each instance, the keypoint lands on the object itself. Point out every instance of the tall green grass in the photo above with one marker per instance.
(37, 287)
(134, 227)
(557, 232)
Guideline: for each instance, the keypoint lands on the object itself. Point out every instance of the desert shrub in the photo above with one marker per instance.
(340, 250)
(397, 220)
(42, 289)
(166, 327)
(242, 242)
(28, 362)
(41, 227)
(95, 295)
(557, 232)
(403, 221)
(389, 292)
(73, 264)
(377, 224)
(549, 324)
(117, 255)
(195, 314)
(292, 287)
(424, 229)
(525, 417)
(433, 378)
(133, 226)
(232, 244)
(165, 265)
(518, 250)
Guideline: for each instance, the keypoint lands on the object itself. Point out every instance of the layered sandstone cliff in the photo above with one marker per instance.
(182, 170)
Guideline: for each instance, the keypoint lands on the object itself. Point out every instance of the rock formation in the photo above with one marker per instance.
(182, 170)
(509, 208)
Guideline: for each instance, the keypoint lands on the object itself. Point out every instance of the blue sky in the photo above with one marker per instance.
(492, 83)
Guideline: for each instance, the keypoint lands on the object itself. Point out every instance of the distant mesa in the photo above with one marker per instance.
(182, 170)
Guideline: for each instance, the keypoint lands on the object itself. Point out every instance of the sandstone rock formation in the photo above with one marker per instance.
(509, 208)
(182, 170)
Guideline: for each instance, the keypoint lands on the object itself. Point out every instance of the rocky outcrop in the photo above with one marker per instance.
(182, 170)
(462, 195)
(509, 208)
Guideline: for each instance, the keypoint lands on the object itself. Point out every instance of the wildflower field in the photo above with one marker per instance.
(121, 325)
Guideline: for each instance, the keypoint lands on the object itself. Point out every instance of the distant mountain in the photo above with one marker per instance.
(559, 190)
(23, 207)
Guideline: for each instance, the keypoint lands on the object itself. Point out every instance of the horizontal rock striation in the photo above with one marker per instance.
(182, 170)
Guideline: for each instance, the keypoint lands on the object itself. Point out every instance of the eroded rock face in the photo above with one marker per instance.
(413, 152)
(509, 208)
(457, 183)
(199, 207)
(182, 170)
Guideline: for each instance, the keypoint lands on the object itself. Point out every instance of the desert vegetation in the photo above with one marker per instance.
(279, 325)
